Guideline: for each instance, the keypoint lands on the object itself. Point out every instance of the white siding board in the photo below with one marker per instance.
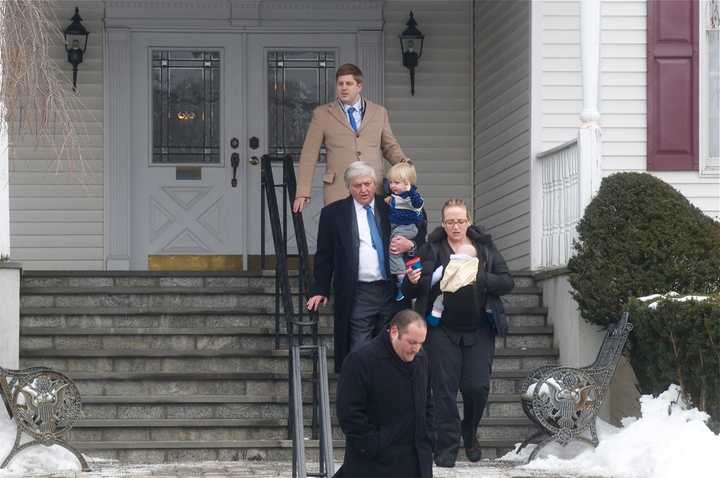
(60, 228)
(502, 125)
(434, 126)
(35, 191)
(494, 155)
(76, 240)
(56, 210)
(50, 179)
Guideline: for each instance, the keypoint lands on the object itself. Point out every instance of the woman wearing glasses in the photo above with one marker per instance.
(461, 344)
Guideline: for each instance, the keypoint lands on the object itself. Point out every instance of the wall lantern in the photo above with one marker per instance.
(411, 44)
(76, 37)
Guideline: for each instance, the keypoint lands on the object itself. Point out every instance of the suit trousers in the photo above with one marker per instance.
(372, 309)
(460, 361)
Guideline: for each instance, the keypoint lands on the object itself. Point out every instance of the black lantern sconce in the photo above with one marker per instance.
(411, 44)
(76, 37)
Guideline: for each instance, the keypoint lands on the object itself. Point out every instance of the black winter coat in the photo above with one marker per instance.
(493, 280)
(379, 399)
(336, 262)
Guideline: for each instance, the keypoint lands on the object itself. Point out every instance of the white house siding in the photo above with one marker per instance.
(623, 82)
(502, 125)
(434, 126)
(56, 211)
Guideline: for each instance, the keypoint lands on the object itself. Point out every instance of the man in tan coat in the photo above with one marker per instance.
(352, 129)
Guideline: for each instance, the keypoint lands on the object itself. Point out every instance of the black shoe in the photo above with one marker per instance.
(445, 461)
(474, 453)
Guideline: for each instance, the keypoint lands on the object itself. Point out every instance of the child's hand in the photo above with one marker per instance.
(388, 200)
(413, 275)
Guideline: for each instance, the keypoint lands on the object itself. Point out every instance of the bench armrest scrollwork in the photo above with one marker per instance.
(45, 405)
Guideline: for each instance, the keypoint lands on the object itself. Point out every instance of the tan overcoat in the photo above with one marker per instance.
(330, 125)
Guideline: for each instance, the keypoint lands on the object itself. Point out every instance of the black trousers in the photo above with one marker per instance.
(459, 361)
(374, 306)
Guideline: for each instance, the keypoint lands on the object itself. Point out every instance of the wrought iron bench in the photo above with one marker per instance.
(564, 402)
(45, 404)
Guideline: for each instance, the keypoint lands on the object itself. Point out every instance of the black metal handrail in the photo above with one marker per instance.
(297, 323)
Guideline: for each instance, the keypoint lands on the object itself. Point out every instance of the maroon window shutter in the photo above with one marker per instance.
(672, 85)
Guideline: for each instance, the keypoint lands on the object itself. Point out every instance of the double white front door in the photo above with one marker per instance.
(204, 109)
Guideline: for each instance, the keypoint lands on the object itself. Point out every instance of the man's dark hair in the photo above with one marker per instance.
(404, 318)
(349, 69)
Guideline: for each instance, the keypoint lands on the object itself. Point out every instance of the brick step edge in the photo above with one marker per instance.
(209, 399)
(52, 353)
(182, 290)
(232, 444)
(215, 376)
(85, 311)
(241, 422)
(261, 331)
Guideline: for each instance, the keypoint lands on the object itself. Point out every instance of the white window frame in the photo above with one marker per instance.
(708, 166)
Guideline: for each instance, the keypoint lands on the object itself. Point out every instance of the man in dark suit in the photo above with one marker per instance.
(352, 254)
(384, 404)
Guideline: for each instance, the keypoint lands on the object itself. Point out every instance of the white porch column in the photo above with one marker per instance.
(589, 135)
(9, 272)
(117, 149)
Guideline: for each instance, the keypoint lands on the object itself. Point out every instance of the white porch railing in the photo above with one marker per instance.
(561, 198)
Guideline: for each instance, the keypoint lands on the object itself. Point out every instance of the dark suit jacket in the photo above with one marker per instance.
(336, 262)
(385, 409)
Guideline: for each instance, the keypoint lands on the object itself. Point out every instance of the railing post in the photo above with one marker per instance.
(296, 325)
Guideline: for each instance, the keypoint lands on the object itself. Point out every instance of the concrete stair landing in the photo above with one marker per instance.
(182, 366)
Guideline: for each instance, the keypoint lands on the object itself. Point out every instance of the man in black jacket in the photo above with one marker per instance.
(352, 255)
(384, 404)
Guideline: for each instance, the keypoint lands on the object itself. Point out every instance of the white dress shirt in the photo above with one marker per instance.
(368, 264)
(357, 114)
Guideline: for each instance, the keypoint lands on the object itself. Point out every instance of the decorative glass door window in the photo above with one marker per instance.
(298, 81)
(185, 107)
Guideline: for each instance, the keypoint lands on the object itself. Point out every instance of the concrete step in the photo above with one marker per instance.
(223, 360)
(206, 317)
(84, 279)
(182, 366)
(175, 279)
(183, 297)
(189, 386)
(264, 428)
(231, 450)
(222, 338)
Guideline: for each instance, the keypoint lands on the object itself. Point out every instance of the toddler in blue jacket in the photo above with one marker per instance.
(405, 213)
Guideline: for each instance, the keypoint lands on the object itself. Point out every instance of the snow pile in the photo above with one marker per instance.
(654, 299)
(667, 442)
(36, 459)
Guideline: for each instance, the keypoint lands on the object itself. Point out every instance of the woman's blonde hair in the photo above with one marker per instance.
(404, 172)
(455, 202)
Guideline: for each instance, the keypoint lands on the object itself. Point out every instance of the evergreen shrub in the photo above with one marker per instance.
(640, 236)
(679, 342)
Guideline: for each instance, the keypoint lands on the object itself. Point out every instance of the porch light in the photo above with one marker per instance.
(76, 37)
(411, 44)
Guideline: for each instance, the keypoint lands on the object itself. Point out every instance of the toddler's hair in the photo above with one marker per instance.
(402, 172)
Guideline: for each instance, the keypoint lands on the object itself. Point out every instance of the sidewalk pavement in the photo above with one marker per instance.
(248, 469)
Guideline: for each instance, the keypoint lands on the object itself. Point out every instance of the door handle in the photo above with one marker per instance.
(254, 160)
(234, 162)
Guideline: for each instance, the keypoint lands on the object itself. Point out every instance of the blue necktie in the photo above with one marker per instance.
(351, 116)
(376, 239)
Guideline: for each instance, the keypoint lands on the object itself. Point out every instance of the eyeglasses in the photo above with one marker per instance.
(455, 222)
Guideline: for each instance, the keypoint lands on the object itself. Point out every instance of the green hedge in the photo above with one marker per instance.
(679, 342)
(640, 236)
